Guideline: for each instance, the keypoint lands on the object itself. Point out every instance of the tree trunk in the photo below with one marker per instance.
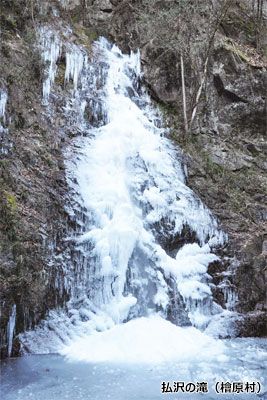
(199, 92)
(184, 95)
(224, 10)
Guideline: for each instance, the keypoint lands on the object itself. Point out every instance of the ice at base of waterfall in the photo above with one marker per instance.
(145, 340)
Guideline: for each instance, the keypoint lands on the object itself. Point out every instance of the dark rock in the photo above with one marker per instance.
(252, 324)
(251, 276)
(222, 91)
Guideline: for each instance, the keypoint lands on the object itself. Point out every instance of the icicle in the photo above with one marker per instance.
(51, 49)
(230, 295)
(5, 144)
(10, 330)
(74, 65)
(3, 101)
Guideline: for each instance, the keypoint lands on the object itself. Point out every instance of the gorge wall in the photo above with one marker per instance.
(225, 152)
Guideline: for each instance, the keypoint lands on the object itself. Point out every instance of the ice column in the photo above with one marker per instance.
(10, 330)
(3, 101)
(51, 49)
(74, 65)
(5, 145)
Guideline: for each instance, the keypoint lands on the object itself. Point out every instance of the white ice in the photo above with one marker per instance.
(149, 340)
(51, 48)
(131, 187)
(74, 64)
(10, 330)
(3, 101)
(127, 153)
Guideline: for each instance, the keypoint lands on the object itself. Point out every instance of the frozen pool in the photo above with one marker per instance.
(52, 377)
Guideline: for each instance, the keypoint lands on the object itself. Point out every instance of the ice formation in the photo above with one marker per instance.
(51, 49)
(132, 183)
(129, 201)
(74, 64)
(10, 330)
(133, 342)
(3, 101)
(5, 142)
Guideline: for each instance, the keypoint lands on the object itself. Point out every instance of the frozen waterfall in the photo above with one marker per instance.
(132, 184)
(130, 201)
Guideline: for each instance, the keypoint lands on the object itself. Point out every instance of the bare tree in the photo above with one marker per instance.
(257, 10)
(221, 15)
(187, 28)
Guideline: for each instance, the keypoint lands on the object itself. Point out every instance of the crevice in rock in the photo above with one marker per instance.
(218, 83)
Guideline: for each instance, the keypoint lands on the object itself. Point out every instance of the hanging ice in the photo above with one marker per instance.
(51, 48)
(3, 101)
(10, 330)
(5, 142)
(74, 64)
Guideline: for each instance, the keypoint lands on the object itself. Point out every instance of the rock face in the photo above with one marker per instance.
(225, 151)
(33, 183)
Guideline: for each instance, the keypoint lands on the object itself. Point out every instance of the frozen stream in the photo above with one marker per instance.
(52, 377)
